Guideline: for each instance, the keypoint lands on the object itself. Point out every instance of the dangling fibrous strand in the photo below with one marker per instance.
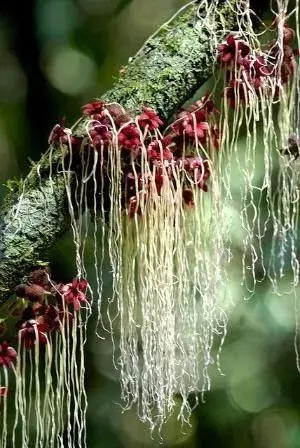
(46, 372)
(146, 193)
(260, 82)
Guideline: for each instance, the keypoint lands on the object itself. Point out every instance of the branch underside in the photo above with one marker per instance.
(164, 75)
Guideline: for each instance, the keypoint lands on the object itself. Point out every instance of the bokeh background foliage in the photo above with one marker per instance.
(55, 56)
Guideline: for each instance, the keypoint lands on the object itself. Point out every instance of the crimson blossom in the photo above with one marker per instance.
(150, 119)
(7, 354)
(32, 332)
(74, 293)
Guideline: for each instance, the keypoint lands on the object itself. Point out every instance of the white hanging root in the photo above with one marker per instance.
(279, 195)
(168, 264)
(272, 113)
(167, 269)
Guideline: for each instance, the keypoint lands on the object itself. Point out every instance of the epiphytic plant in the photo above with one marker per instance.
(151, 194)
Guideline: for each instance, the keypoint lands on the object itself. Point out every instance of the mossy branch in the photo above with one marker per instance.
(167, 71)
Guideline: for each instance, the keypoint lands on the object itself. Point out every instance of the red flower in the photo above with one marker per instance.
(201, 131)
(31, 331)
(32, 292)
(7, 354)
(232, 51)
(48, 315)
(40, 276)
(94, 109)
(261, 67)
(100, 134)
(58, 135)
(163, 175)
(74, 293)
(288, 62)
(62, 135)
(191, 127)
(76, 142)
(193, 162)
(3, 391)
(129, 137)
(159, 150)
(198, 169)
(288, 34)
(150, 119)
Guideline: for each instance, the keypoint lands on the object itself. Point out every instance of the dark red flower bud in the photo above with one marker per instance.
(100, 134)
(159, 150)
(288, 34)
(58, 135)
(115, 110)
(32, 332)
(233, 51)
(40, 277)
(7, 354)
(32, 292)
(3, 391)
(129, 137)
(94, 108)
(150, 119)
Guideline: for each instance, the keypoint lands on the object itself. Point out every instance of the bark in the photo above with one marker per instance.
(166, 72)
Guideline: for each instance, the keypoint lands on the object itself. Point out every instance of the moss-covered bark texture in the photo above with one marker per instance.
(172, 65)
(166, 72)
(31, 222)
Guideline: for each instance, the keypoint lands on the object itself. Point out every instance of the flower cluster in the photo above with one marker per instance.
(49, 306)
(177, 153)
(42, 307)
(232, 52)
(248, 71)
(60, 134)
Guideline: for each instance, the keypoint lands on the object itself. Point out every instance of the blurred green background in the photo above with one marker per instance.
(55, 56)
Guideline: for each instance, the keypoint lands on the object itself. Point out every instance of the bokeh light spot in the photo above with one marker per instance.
(70, 71)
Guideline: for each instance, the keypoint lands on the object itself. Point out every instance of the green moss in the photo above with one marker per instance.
(14, 185)
(30, 224)
(170, 67)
